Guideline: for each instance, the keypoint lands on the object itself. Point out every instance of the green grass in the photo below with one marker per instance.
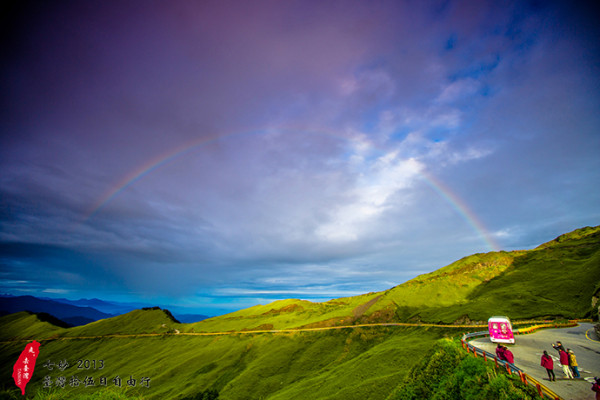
(339, 364)
(555, 281)
(25, 325)
(134, 322)
(285, 314)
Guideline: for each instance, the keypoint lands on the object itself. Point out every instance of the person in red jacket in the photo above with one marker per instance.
(508, 355)
(549, 365)
(564, 361)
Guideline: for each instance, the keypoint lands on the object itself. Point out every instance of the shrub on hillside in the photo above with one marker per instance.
(448, 373)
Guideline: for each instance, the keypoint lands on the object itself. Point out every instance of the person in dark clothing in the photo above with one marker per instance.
(596, 387)
(500, 352)
(558, 346)
(549, 365)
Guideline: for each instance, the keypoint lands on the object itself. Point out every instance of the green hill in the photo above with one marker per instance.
(149, 320)
(27, 325)
(556, 279)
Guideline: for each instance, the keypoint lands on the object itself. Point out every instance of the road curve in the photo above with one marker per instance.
(528, 350)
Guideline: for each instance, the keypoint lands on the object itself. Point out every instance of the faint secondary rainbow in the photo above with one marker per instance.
(455, 201)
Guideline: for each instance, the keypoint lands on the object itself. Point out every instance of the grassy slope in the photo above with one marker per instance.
(340, 364)
(136, 321)
(556, 279)
(25, 325)
(286, 314)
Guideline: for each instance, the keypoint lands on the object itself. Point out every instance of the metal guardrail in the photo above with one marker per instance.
(542, 390)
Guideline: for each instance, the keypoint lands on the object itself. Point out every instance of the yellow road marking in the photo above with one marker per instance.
(588, 338)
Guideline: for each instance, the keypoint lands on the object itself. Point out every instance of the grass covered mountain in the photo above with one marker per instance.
(557, 279)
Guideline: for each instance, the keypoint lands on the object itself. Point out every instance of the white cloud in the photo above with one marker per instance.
(371, 82)
(379, 180)
(449, 118)
(445, 155)
(55, 291)
(458, 90)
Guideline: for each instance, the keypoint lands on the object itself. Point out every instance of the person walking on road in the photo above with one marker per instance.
(549, 365)
(573, 363)
(508, 355)
(564, 362)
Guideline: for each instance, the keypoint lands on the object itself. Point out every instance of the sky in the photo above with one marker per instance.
(215, 155)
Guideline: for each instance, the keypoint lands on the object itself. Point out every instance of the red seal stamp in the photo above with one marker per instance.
(23, 369)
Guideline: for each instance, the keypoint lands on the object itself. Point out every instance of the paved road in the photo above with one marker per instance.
(528, 350)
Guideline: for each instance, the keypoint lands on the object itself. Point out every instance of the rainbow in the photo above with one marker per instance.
(458, 204)
(461, 207)
(164, 158)
(147, 167)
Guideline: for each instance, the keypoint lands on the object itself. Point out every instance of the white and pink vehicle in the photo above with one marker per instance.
(500, 330)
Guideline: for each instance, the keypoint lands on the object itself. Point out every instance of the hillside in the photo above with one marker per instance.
(556, 279)
(147, 320)
(363, 363)
(27, 325)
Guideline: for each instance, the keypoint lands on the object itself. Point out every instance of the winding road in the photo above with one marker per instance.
(528, 350)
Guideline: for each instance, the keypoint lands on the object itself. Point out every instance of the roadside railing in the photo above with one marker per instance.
(542, 390)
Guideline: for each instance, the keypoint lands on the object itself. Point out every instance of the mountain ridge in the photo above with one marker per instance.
(448, 295)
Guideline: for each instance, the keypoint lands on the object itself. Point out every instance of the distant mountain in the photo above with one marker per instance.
(118, 308)
(108, 307)
(73, 315)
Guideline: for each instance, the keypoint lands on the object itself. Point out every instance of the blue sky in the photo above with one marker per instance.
(218, 155)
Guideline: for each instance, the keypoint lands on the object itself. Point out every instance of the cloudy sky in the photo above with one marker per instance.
(220, 154)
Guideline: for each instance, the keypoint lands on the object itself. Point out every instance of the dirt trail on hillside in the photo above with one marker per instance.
(360, 310)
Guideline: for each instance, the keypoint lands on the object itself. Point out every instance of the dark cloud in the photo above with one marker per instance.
(223, 154)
